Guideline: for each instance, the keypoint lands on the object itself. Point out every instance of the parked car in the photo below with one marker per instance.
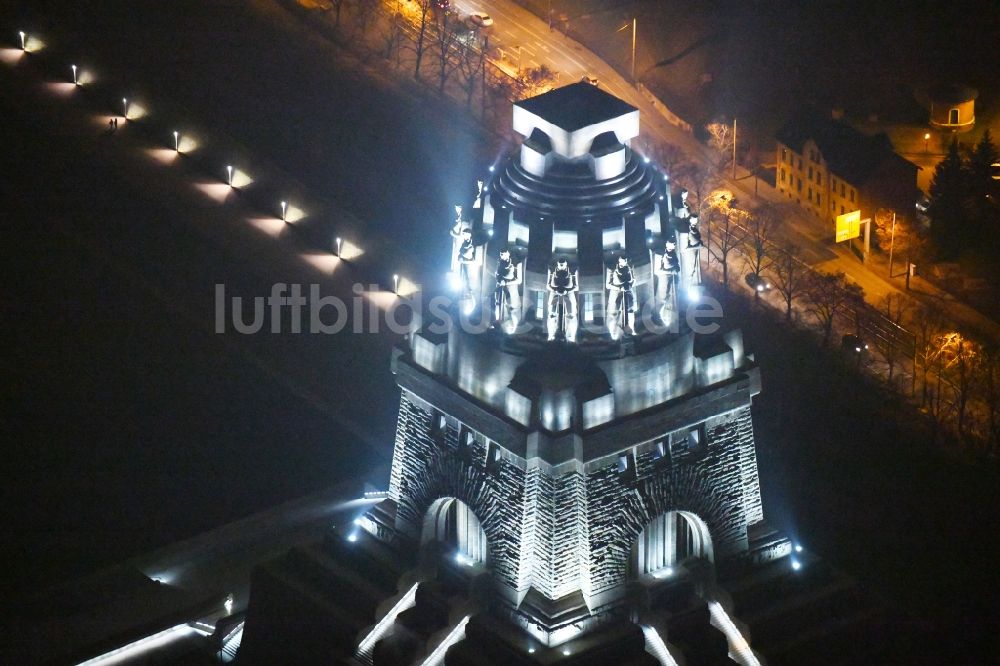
(757, 283)
(854, 343)
(480, 20)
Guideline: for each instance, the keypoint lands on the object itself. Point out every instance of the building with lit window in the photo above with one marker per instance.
(829, 168)
(953, 107)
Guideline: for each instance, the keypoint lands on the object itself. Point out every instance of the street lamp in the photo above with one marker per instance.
(284, 207)
(927, 137)
(21, 33)
(124, 108)
(339, 243)
(633, 45)
(395, 284)
(75, 81)
(177, 145)
(229, 170)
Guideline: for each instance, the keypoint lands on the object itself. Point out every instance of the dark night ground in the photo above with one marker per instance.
(89, 485)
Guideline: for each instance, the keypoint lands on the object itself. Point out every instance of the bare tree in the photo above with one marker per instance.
(829, 295)
(721, 137)
(790, 274)
(927, 325)
(420, 42)
(669, 156)
(959, 358)
(699, 180)
(896, 309)
(446, 46)
(724, 235)
(534, 81)
(472, 61)
(761, 225)
(900, 239)
(392, 38)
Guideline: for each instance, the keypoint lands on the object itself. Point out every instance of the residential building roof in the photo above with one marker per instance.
(849, 154)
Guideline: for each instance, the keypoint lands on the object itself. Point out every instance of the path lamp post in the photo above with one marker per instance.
(21, 33)
(395, 284)
(284, 207)
(177, 145)
(634, 20)
(927, 138)
(339, 242)
(124, 108)
(75, 81)
(229, 172)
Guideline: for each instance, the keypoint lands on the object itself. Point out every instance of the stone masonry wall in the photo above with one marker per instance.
(425, 468)
(715, 485)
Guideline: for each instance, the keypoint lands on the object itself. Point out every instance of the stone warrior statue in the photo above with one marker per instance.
(466, 258)
(694, 244)
(668, 268)
(562, 289)
(621, 296)
(505, 296)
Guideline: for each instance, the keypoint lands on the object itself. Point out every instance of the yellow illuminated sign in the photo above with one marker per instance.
(848, 225)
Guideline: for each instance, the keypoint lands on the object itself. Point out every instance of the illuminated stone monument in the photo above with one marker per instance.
(575, 467)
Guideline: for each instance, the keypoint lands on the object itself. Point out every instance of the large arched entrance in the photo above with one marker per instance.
(451, 522)
(669, 540)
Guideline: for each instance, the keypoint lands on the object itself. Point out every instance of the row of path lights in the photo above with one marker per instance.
(230, 171)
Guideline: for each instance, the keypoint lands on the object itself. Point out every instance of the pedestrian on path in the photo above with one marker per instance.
(111, 125)
(116, 123)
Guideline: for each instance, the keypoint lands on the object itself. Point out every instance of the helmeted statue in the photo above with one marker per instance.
(562, 287)
(466, 258)
(621, 296)
(695, 244)
(667, 269)
(506, 299)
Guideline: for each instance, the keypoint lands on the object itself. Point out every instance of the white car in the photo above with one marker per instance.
(480, 20)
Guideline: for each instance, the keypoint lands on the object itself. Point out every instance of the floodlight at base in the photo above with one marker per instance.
(798, 548)
(353, 537)
(664, 573)
(694, 294)
(454, 281)
(531, 650)
(796, 565)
